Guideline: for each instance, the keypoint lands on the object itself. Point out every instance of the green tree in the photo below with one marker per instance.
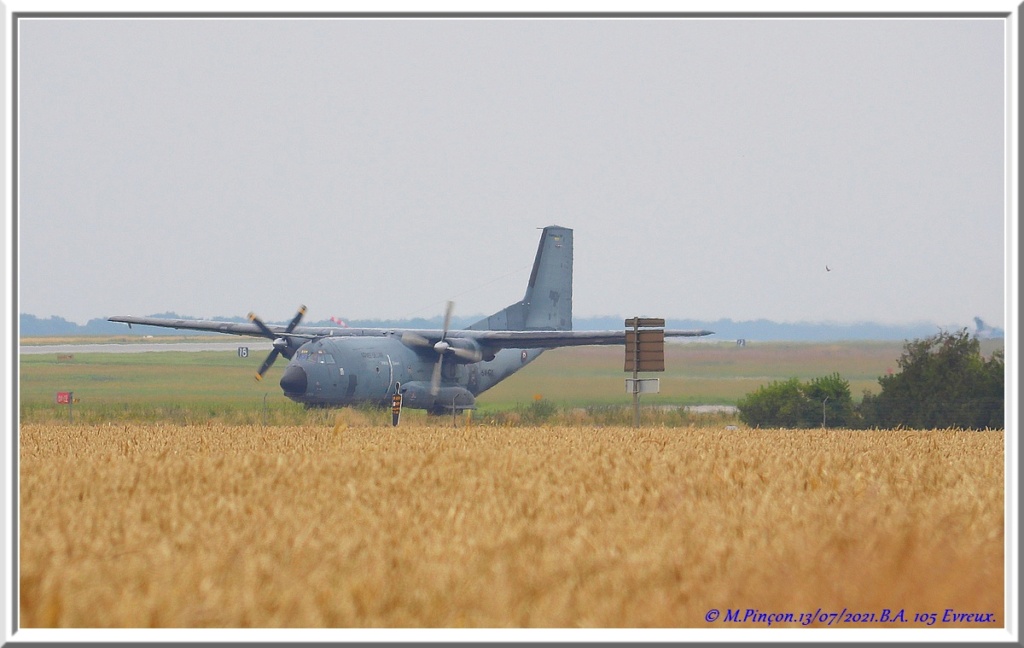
(792, 404)
(833, 393)
(943, 382)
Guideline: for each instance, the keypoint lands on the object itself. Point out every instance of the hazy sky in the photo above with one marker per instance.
(373, 168)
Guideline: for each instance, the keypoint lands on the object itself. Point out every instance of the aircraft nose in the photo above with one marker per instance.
(294, 380)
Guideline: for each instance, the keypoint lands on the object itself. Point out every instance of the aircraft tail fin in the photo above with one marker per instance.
(547, 305)
(986, 331)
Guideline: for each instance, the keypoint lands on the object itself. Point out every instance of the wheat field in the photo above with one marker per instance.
(363, 526)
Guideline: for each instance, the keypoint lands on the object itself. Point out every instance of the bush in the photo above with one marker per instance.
(944, 382)
(792, 404)
(539, 411)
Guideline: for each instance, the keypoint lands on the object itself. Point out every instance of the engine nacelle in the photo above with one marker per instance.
(417, 394)
(469, 350)
(454, 349)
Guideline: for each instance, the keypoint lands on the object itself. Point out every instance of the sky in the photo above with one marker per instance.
(375, 168)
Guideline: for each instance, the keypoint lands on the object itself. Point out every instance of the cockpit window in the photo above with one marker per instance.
(316, 357)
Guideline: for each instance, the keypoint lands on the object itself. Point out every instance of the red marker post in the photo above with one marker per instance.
(67, 398)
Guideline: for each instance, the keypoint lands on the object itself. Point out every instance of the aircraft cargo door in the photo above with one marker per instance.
(384, 371)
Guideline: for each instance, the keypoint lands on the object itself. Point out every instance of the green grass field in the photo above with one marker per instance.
(698, 373)
(218, 385)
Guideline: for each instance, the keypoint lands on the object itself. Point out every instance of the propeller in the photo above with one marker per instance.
(281, 345)
(456, 347)
(441, 347)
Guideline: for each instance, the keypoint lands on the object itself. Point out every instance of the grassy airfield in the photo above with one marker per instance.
(192, 387)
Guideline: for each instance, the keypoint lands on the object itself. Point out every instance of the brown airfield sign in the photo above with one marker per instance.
(645, 350)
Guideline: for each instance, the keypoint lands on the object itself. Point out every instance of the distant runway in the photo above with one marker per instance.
(145, 347)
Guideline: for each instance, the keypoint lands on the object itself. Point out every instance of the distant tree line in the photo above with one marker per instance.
(943, 382)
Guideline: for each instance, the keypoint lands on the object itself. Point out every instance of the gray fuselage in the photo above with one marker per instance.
(349, 370)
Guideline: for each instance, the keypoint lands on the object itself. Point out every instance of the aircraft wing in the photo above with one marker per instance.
(492, 339)
(556, 339)
(232, 328)
(251, 329)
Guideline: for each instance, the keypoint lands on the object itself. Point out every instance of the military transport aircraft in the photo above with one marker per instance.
(435, 370)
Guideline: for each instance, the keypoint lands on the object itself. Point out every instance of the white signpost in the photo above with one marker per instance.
(643, 385)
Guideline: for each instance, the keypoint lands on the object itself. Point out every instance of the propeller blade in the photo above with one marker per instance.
(266, 364)
(435, 379)
(288, 351)
(441, 347)
(265, 330)
(447, 318)
(295, 320)
(261, 326)
(467, 354)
